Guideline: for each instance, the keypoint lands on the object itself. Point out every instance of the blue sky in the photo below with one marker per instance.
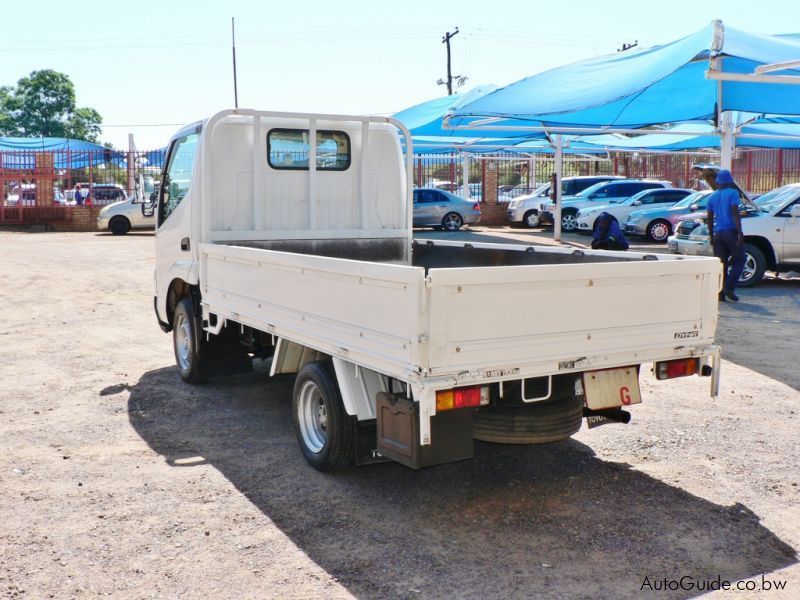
(149, 66)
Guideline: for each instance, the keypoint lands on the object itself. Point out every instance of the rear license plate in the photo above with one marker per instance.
(611, 388)
(673, 245)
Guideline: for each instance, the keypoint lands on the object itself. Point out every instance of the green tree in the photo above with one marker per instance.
(43, 104)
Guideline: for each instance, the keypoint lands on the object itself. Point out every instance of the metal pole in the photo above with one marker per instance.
(726, 140)
(233, 47)
(559, 159)
(131, 166)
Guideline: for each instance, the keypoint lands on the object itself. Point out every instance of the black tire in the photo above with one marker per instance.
(568, 219)
(755, 265)
(531, 219)
(659, 230)
(119, 226)
(452, 222)
(324, 430)
(535, 423)
(191, 350)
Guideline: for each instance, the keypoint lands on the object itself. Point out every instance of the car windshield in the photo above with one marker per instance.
(591, 189)
(777, 198)
(695, 198)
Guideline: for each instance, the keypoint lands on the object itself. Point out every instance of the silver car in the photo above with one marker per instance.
(440, 209)
(658, 223)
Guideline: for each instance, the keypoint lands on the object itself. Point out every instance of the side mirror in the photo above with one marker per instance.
(149, 208)
(694, 207)
(637, 202)
(794, 211)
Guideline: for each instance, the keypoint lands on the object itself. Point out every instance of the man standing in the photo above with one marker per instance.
(725, 232)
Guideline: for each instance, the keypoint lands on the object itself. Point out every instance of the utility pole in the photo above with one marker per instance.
(628, 46)
(233, 47)
(446, 40)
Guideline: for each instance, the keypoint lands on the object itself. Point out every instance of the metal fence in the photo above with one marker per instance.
(43, 180)
(756, 170)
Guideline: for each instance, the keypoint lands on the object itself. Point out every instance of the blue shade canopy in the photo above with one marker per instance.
(639, 88)
(426, 119)
(19, 153)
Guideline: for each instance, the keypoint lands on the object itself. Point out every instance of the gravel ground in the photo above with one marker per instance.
(119, 480)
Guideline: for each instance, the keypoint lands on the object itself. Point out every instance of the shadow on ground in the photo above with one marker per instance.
(771, 310)
(515, 522)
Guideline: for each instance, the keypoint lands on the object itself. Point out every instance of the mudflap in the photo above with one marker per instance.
(398, 433)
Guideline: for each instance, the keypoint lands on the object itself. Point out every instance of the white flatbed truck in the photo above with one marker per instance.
(288, 237)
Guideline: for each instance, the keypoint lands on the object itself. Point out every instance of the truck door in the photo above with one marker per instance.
(174, 251)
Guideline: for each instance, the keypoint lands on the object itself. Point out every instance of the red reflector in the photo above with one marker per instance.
(470, 396)
(676, 368)
(477, 207)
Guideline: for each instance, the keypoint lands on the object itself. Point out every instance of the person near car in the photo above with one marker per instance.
(725, 232)
(697, 182)
(607, 234)
(78, 195)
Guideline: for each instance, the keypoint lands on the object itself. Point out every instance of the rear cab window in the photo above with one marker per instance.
(289, 149)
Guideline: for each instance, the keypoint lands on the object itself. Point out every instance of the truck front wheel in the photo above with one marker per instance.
(325, 432)
(190, 350)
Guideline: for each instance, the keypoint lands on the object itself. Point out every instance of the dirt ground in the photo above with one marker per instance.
(116, 479)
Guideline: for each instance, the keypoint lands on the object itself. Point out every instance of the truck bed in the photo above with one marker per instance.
(482, 311)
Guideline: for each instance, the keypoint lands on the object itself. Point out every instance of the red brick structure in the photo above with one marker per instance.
(52, 218)
(492, 212)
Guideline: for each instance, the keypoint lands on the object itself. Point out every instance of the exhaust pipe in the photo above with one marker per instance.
(612, 414)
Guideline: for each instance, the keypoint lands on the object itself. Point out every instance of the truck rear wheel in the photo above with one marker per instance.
(535, 423)
(119, 225)
(191, 352)
(325, 432)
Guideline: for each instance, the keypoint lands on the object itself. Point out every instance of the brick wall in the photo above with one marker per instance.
(53, 218)
(492, 213)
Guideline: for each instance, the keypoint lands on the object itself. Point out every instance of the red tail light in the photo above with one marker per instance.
(476, 395)
(676, 368)
(476, 206)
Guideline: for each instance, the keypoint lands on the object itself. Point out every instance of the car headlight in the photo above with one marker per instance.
(587, 213)
(634, 219)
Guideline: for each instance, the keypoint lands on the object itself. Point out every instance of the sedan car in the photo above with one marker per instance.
(658, 223)
(771, 235)
(443, 210)
(662, 198)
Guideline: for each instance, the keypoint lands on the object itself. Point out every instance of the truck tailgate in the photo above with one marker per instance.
(488, 317)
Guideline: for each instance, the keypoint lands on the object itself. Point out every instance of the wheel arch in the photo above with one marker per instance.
(765, 246)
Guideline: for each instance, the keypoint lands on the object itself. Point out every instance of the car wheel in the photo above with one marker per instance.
(659, 231)
(569, 220)
(119, 225)
(754, 266)
(531, 218)
(325, 432)
(452, 222)
(191, 350)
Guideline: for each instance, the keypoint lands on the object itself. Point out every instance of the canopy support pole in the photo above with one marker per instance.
(559, 165)
(726, 140)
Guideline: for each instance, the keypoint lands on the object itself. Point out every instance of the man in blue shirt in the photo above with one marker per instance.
(725, 232)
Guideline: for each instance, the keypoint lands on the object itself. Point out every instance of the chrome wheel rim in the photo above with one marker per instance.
(749, 268)
(312, 417)
(659, 232)
(183, 342)
(452, 222)
(569, 222)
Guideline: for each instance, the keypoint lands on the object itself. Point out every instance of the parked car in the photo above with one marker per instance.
(658, 223)
(608, 192)
(132, 213)
(662, 198)
(526, 209)
(440, 209)
(771, 235)
(476, 193)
